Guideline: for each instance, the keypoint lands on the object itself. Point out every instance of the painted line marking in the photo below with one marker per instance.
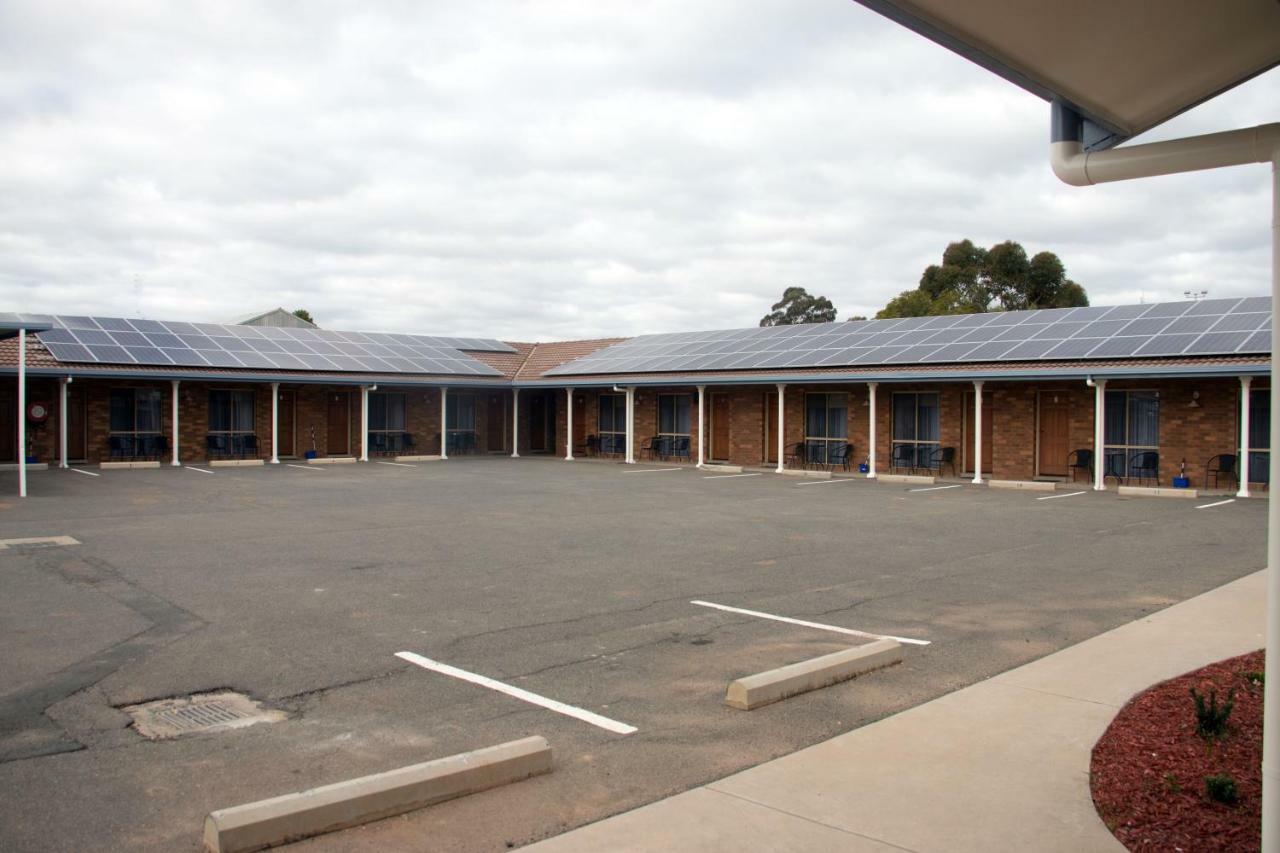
(1064, 495)
(649, 470)
(194, 468)
(46, 541)
(827, 482)
(532, 698)
(1219, 503)
(936, 488)
(86, 473)
(818, 625)
(728, 476)
(303, 467)
(397, 464)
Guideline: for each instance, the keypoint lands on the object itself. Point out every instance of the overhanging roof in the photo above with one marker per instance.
(1125, 67)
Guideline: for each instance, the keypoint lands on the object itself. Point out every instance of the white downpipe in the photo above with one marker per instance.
(1271, 696)
(62, 421)
(1243, 491)
(977, 432)
(275, 423)
(174, 397)
(444, 420)
(1073, 165)
(782, 443)
(871, 430)
(631, 425)
(1099, 432)
(515, 423)
(568, 425)
(702, 393)
(22, 413)
(364, 423)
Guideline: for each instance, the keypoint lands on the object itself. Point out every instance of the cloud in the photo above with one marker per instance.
(551, 170)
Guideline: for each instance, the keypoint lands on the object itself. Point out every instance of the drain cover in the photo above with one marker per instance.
(200, 712)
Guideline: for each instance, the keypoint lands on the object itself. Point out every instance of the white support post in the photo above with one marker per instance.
(782, 442)
(174, 402)
(444, 420)
(568, 425)
(702, 394)
(1099, 434)
(62, 421)
(977, 432)
(871, 430)
(1271, 692)
(515, 423)
(364, 423)
(275, 423)
(631, 425)
(1244, 437)
(22, 413)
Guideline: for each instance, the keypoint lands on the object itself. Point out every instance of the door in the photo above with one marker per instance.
(771, 427)
(77, 440)
(1052, 439)
(538, 422)
(339, 440)
(719, 427)
(285, 442)
(496, 428)
(8, 427)
(988, 433)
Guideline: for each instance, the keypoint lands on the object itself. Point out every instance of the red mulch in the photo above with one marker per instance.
(1149, 767)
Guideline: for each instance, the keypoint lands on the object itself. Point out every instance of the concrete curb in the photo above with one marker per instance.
(111, 466)
(764, 688)
(804, 472)
(1156, 492)
(332, 460)
(31, 466)
(1027, 485)
(427, 458)
(906, 478)
(721, 469)
(256, 826)
(233, 463)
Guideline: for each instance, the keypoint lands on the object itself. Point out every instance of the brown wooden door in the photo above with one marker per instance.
(771, 427)
(579, 424)
(77, 440)
(285, 443)
(339, 440)
(496, 428)
(1053, 437)
(8, 428)
(538, 422)
(719, 427)
(988, 431)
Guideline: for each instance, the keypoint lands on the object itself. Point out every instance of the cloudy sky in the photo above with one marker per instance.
(552, 170)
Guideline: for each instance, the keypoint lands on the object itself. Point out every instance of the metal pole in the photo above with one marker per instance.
(977, 432)
(444, 412)
(871, 430)
(1243, 483)
(1271, 697)
(364, 423)
(568, 425)
(515, 423)
(62, 421)
(702, 393)
(275, 423)
(22, 413)
(174, 395)
(631, 425)
(1099, 434)
(782, 443)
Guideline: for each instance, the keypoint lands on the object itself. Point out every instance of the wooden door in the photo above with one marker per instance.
(538, 422)
(1053, 436)
(719, 448)
(988, 432)
(285, 443)
(8, 427)
(339, 440)
(496, 427)
(771, 427)
(579, 424)
(77, 438)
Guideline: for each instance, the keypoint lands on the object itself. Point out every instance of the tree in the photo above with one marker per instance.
(304, 314)
(970, 279)
(797, 306)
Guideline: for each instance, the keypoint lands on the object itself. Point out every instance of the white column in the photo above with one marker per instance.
(702, 393)
(871, 430)
(568, 425)
(1271, 693)
(630, 456)
(174, 398)
(515, 422)
(22, 413)
(1244, 437)
(62, 421)
(782, 442)
(444, 433)
(1099, 434)
(275, 423)
(977, 432)
(364, 423)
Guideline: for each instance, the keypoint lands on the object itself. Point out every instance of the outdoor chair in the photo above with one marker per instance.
(799, 452)
(117, 447)
(942, 457)
(680, 447)
(840, 456)
(589, 447)
(216, 445)
(903, 456)
(407, 443)
(1145, 465)
(248, 445)
(1222, 465)
(1113, 466)
(378, 443)
(649, 446)
(1078, 460)
(159, 446)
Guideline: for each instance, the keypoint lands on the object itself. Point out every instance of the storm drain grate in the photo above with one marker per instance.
(200, 712)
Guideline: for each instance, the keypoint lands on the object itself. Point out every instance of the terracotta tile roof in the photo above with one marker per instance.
(508, 362)
(546, 356)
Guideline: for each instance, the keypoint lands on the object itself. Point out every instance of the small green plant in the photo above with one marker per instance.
(1258, 679)
(1211, 718)
(1171, 783)
(1221, 788)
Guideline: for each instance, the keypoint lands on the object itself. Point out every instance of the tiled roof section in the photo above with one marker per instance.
(508, 362)
(37, 355)
(546, 356)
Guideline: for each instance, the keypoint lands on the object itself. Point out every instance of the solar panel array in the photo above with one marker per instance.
(1196, 328)
(117, 341)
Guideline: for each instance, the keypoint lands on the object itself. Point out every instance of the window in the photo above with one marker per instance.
(916, 430)
(135, 411)
(1132, 428)
(673, 414)
(1260, 435)
(460, 422)
(826, 425)
(386, 412)
(231, 412)
(613, 423)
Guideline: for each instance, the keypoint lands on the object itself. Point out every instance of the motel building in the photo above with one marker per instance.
(1104, 395)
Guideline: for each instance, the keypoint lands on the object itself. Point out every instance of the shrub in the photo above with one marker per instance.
(1221, 788)
(1211, 718)
(1258, 678)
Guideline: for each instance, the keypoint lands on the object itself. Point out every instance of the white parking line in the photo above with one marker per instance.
(729, 476)
(397, 464)
(1219, 503)
(648, 470)
(818, 625)
(532, 698)
(302, 467)
(935, 488)
(827, 482)
(86, 473)
(194, 468)
(1064, 495)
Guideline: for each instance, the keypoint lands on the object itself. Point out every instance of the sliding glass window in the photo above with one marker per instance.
(1132, 429)
(135, 411)
(674, 421)
(916, 429)
(460, 423)
(612, 423)
(386, 421)
(1260, 435)
(826, 426)
(231, 423)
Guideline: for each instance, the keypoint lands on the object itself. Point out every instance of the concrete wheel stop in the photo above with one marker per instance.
(755, 691)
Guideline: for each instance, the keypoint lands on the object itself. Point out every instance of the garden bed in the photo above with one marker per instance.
(1149, 768)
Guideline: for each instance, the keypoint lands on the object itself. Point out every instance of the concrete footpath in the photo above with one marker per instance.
(1000, 765)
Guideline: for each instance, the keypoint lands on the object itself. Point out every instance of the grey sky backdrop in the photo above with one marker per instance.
(551, 170)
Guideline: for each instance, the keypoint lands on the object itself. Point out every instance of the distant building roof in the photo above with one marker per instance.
(275, 317)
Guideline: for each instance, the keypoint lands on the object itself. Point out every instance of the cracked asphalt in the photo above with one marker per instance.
(571, 581)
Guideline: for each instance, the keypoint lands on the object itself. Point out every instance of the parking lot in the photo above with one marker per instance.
(298, 585)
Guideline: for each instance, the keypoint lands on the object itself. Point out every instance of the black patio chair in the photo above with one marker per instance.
(117, 447)
(1222, 465)
(158, 446)
(1113, 466)
(903, 456)
(680, 447)
(840, 456)
(1078, 460)
(407, 443)
(216, 445)
(942, 457)
(1145, 465)
(590, 446)
(248, 445)
(799, 452)
(378, 442)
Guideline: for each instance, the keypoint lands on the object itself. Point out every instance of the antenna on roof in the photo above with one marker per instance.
(1195, 295)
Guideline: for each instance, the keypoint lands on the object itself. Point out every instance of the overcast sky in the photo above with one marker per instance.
(552, 170)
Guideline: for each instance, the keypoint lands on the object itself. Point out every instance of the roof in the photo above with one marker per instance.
(275, 317)
(1126, 67)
